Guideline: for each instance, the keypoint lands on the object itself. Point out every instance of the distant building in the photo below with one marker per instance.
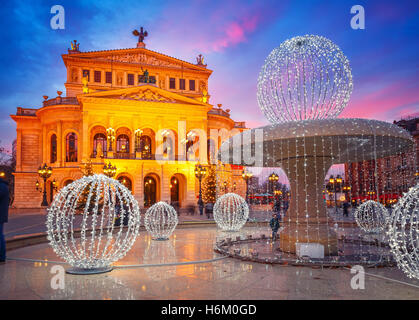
(135, 108)
(386, 179)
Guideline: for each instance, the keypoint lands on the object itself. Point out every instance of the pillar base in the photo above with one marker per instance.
(311, 233)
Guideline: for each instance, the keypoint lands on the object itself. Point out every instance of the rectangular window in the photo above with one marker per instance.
(86, 73)
(192, 85)
(143, 79)
(172, 83)
(98, 76)
(182, 84)
(130, 79)
(108, 77)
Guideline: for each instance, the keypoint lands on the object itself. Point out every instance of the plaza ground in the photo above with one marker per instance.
(186, 267)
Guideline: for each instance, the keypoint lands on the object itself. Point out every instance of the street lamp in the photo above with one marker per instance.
(200, 173)
(225, 186)
(109, 170)
(273, 178)
(138, 147)
(246, 177)
(347, 190)
(110, 134)
(335, 181)
(44, 172)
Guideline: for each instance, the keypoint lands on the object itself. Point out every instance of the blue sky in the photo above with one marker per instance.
(234, 36)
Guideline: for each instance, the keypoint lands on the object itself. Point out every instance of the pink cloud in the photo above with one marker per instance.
(233, 33)
(400, 98)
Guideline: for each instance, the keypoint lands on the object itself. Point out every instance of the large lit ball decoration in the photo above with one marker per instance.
(403, 232)
(231, 212)
(306, 77)
(81, 224)
(371, 216)
(161, 220)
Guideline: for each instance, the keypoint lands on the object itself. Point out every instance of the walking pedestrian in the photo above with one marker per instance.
(4, 215)
(274, 224)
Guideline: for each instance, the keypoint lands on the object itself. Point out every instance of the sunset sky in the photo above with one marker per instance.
(234, 36)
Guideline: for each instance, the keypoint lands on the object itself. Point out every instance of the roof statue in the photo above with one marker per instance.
(200, 60)
(141, 36)
(74, 47)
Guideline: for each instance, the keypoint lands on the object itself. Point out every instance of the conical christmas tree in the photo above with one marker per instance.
(209, 190)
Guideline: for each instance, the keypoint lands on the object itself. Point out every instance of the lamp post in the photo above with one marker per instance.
(200, 173)
(138, 145)
(225, 186)
(246, 177)
(334, 181)
(273, 178)
(109, 170)
(110, 134)
(44, 172)
(347, 190)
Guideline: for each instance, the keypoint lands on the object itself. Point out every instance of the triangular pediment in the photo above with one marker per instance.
(145, 92)
(136, 56)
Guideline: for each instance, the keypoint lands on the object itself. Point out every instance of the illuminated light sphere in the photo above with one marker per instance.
(305, 78)
(231, 212)
(161, 220)
(81, 224)
(371, 216)
(403, 232)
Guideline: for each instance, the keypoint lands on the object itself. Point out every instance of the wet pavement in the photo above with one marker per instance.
(186, 267)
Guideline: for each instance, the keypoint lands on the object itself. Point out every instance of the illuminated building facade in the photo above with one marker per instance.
(145, 112)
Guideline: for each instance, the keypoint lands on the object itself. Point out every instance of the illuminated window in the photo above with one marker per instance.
(98, 76)
(174, 191)
(108, 77)
(86, 73)
(172, 83)
(71, 147)
(99, 139)
(182, 84)
(150, 191)
(145, 147)
(126, 182)
(192, 85)
(122, 143)
(53, 156)
(130, 79)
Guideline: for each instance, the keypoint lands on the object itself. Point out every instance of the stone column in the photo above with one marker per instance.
(19, 150)
(306, 219)
(45, 145)
(86, 138)
(59, 144)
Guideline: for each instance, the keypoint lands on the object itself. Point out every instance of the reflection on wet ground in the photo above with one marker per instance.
(170, 270)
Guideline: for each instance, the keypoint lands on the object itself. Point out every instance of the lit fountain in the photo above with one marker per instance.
(303, 86)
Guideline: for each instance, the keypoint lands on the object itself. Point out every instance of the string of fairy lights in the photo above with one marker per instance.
(101, 242)
(306, 77)
(303, 86)
(231, 212)
(161, 220)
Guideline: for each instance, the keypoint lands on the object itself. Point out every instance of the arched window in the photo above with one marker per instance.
(174, 191)
(122, 143)
(211, 152)
(168, 146)
(71, 147)
(99, 141)
(145, 147)
(150, 191)
(67, 182)
(53, 155)
(126, 182)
